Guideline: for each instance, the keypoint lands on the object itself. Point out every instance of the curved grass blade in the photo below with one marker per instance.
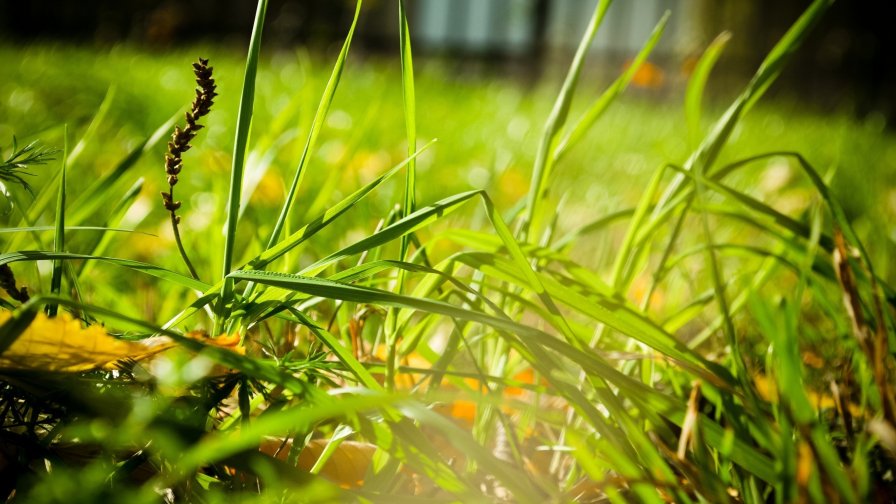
(317, 123)
(697, 83)
(324, 219)
(704, 157)
(94, 125)
(409, 224)
(98, 246)
(615, 89)
(149, 269)
(544, 157)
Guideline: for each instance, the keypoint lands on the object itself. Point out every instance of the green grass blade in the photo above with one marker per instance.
(545, 154)
(150, 269)
(59, 236)
(326, 218)
(606, 98)
(319, 117)
(98, 246)
(240, 147)
(94, 125)
(703, 158)
(409, 224)
(410, 117)
(342, 353)
(697, 83)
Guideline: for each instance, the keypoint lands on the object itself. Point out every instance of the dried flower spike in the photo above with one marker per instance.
(180, 143)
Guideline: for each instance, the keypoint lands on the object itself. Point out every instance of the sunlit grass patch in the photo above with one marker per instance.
(634, 302)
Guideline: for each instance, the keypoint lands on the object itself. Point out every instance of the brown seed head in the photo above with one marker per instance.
(181, 138)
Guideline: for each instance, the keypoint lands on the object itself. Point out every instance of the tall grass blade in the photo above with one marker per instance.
(326, 218)
(319, 117)
(410, 187)
(410, 117)
(240, 147)
(97, 194)
(704, 157)
(59, 236)
(581, 127)
(697, 84)
(94, 125)
(541, 171)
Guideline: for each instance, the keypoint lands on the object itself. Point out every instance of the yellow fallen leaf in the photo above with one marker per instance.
(63, 344)
(346, 466)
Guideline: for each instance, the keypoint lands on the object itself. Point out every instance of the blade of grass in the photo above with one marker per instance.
(59, 236)
(240, 147)
(600, 105)
(697, 84)
(409, 205)
(544, 156)
(410, 120)
(705, 155)
(149, 269)
(317, 123)
(98, 246)
(326, 218)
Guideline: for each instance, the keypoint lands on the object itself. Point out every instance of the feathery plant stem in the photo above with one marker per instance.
(16, 165)
(240, 146)
(180, 143)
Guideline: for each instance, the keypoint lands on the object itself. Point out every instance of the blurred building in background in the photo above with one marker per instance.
(849, 59)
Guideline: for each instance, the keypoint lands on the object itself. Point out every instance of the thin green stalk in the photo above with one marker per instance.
(409, 206)
(175, 220)
(59, 238)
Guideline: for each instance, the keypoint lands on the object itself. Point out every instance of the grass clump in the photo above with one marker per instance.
(456, 348)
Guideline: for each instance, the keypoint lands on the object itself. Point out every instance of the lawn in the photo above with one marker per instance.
(650, 320)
